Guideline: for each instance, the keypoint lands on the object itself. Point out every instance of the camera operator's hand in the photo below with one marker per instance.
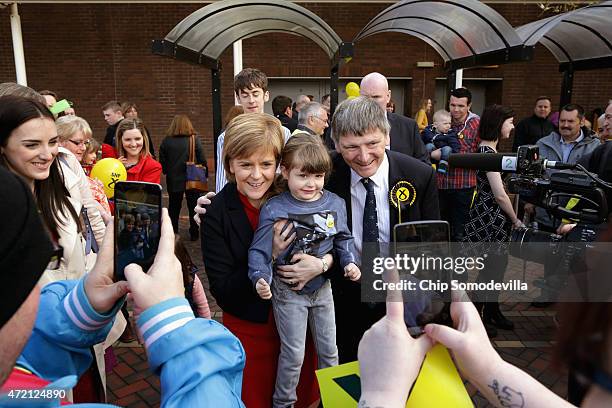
(164, 279)
(100, 289)
(516, 224)
(389, 359)
(565, 228)
(468, 341)
(200, 208)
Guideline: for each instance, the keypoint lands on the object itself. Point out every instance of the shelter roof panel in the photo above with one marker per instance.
(460, 28)
(582, 34)
(212, 29)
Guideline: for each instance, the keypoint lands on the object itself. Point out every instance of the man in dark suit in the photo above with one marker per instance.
(363, 169)
(404, 136)
(281, 107)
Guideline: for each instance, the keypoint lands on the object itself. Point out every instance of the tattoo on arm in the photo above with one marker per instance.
(507, 397)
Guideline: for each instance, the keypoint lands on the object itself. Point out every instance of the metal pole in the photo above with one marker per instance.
(20, 68)
(333, 95)
(567, 87)
(216, 105)
(237, 61)
(450, 85)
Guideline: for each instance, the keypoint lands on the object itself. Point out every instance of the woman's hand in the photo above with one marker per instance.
(284, 234)
(303, 269)
(390, 359)
(200, 208)
(100, 289)
(468, 341)
(123, 160)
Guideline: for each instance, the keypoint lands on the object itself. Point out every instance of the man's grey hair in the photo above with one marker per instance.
(310, 109)
(358, 116)
(301, 101)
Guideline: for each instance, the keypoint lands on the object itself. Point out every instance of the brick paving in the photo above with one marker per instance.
(529, 346)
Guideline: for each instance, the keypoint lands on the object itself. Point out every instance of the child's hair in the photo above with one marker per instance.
(92, 147)
(441, 114)
(250, 78)
(308, 153)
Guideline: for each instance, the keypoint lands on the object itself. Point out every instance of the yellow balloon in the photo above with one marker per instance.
(109, 171)
(352, 89)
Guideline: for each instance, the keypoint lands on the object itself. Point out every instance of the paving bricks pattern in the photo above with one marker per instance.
(529, 346)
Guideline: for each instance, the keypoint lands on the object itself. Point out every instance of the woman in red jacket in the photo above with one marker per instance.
(134, 152)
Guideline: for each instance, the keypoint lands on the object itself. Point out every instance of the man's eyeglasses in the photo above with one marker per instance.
(80, 142)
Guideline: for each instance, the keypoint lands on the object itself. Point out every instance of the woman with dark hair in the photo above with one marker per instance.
(132, 143)
(491, 218)
(28, 147)
(174, 153)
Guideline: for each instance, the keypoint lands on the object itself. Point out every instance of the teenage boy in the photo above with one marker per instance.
(251, 88)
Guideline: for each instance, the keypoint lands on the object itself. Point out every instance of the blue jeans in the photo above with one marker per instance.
(445, 151)
(293, 312)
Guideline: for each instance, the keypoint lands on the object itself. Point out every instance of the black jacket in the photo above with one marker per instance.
(173, 153)
(352, 316)
(406, 138)
(226, 236)
(289, 123)
(529, 130)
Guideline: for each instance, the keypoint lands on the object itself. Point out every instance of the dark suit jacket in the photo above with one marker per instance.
(226, 236)
(406, 138)
(352, 316)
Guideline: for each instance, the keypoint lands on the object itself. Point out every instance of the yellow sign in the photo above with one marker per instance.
(403, 192)
(330, 221)
(437, 386)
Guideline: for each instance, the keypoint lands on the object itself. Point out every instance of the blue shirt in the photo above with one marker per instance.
(566, 147)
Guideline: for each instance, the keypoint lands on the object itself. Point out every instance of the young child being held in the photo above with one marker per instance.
(320, 221)
(439, 136)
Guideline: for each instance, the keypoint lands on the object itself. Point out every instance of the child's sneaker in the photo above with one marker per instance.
(443, 167)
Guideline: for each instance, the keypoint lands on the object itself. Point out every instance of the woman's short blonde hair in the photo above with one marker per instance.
(129, 124)
(250, 133)
(68, 125)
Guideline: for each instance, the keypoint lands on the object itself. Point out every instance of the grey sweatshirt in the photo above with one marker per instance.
(321, 226)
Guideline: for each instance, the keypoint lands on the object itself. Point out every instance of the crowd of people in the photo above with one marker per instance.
(285, 241)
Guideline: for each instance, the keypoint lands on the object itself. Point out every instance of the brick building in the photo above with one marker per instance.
(93, 53)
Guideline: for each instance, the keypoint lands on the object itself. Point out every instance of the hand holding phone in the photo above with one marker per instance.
(164, 279)
(137, 224)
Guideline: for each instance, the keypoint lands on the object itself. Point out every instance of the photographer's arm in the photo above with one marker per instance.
(497, 186)
(503, 384)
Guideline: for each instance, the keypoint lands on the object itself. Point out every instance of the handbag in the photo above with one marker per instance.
(197, 174)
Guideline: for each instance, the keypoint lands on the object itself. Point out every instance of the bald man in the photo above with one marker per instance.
(404, 136)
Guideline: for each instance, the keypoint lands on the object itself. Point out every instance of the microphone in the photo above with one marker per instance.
(498, 162)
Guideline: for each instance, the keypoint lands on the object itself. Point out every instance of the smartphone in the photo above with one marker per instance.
(429, 300)
(137, 224)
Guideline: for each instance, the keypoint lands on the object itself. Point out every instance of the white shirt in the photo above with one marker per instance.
(220, 178)
(358, 196)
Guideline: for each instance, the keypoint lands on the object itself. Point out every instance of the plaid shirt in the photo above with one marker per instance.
(457, 178)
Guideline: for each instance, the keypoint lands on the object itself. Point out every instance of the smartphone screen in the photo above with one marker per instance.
(137, 224)
(426, 242)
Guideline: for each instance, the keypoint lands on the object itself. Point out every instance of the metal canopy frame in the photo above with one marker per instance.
(465, 33)
(580, 40)
(205, 34)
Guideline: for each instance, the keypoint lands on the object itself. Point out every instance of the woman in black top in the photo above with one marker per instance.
(491, 219)
(173, 154)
